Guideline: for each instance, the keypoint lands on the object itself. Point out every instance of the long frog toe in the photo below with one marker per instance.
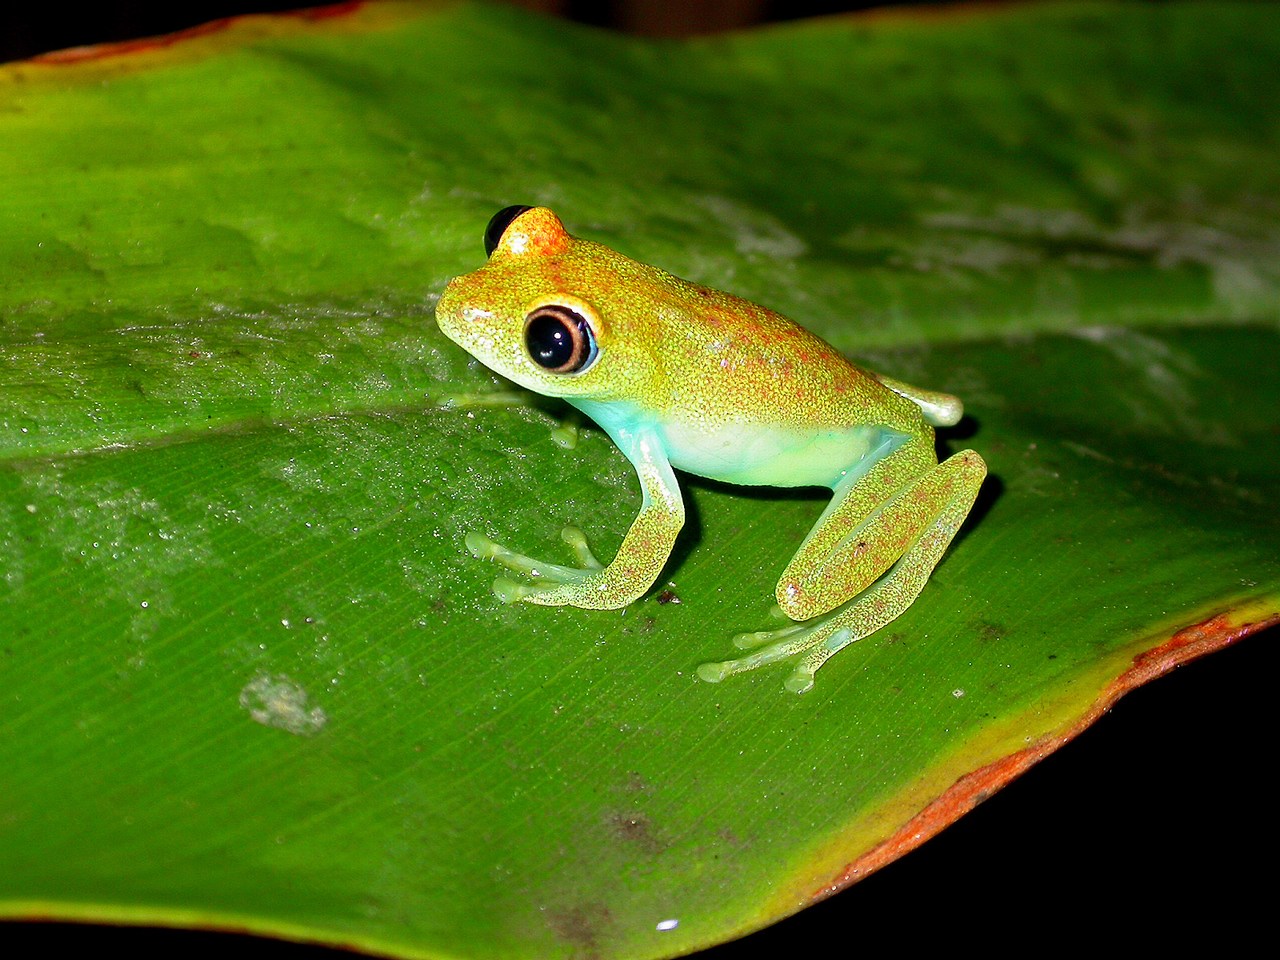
(548, 578)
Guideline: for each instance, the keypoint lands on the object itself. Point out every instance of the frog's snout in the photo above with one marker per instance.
(448, 312)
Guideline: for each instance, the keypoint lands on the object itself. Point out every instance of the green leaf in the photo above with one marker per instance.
(251, 677)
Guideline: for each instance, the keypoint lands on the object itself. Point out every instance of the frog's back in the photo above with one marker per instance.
(737, 392)
(733, 360)
(742, 394)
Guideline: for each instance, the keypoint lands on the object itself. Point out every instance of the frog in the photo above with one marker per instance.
(684, 377)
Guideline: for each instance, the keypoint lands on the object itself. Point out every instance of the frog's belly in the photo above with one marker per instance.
(778, 456)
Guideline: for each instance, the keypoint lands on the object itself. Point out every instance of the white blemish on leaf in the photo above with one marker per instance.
(277, 701)
(1159, 393)
(752, 231)
(1238, 245)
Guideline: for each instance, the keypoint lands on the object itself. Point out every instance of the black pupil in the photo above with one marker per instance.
(551, 341)
(498, 224)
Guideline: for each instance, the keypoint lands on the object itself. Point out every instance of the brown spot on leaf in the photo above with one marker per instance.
(637, 784)
(635, 829)
(989, 631)
(581, 926)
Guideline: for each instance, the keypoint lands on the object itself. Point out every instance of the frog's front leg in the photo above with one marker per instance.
(899, 518)
(640, 559)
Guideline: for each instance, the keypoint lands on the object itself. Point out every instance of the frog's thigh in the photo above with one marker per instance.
(864, 529)
(895, 593)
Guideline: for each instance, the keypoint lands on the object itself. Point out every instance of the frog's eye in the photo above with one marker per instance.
(559, 339)
(498, 226)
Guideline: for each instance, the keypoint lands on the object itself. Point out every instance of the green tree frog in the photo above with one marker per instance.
(683, 376)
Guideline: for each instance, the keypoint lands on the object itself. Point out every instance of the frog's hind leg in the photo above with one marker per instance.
(872, 519)
(958, 480)
(899, 589)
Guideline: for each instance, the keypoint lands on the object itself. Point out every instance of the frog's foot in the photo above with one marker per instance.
(553, 583)
(824, 636)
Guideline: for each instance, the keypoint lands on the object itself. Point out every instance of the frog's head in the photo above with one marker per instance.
(544, 310)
